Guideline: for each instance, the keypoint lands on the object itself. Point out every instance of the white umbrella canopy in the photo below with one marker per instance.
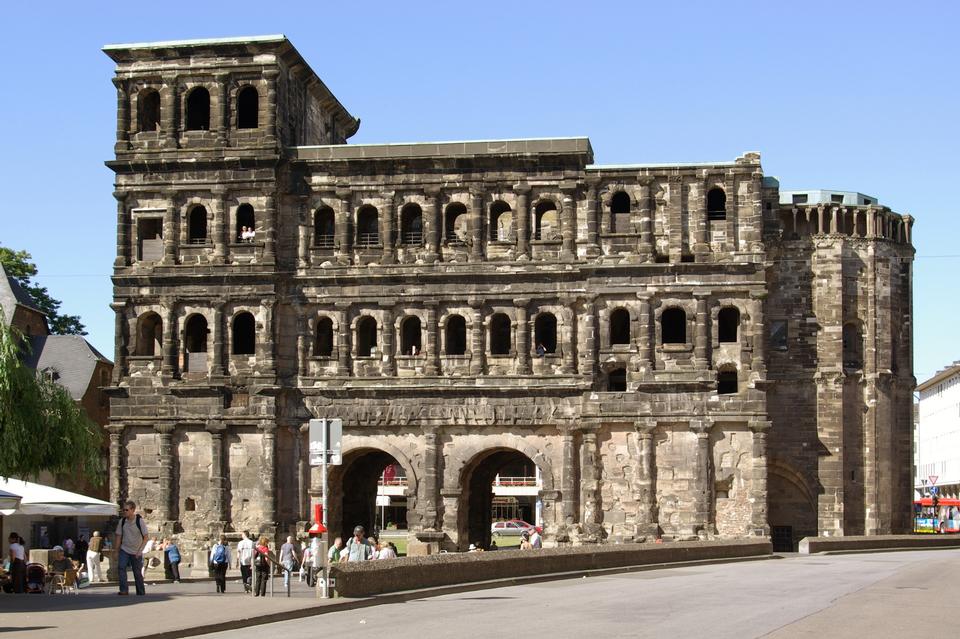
(37, 499)
(8, 501)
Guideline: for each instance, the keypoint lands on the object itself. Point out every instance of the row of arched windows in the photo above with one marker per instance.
(197, 109)
(149, 341)
(197, 228)
(673, 326)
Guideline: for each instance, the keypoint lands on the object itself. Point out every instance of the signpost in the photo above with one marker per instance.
(325, 449)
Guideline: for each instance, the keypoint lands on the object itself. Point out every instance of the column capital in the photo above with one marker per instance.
(645, 427)
(433, 190)
(701, 427)
(215, 428)
(521, 302)
(522, 188)
(344, 193)
(267, 428)
(760, 426)
(115, 430)
(165, 428)
(121, 196)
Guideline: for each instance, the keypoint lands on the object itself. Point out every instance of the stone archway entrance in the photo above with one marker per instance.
(498, 484)
(792, 509)
(372, 487)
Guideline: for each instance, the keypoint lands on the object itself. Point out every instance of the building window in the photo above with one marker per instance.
(323, 228)
(148, 110)
(617, 380)
(800, 198)
(501, 221)
(728, 321)
(500, 335)
(197, 225)
(727, 382)
(455, 223)
(619, 327)
(546, 222)
(716, 204)
(836, 198)
(368, 232)
(323, 342)
(410, 334)
(246, 221)
(673, 326)
(196, 334)
(149, 335)
(455, 335)
(411, 225)
(198, 110)
(620, 213)
(366, 336)
(248, 107)
(778, 335)
(852, 346)
(545, 333)
(244, 334)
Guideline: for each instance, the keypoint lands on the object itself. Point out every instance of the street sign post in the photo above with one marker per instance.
(933, 479)
(325, 449)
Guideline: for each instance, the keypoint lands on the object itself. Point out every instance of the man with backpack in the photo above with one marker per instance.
(220, 559)
(130, 538)
(358, 549)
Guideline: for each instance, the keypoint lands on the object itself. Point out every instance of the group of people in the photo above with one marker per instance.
(247, 234)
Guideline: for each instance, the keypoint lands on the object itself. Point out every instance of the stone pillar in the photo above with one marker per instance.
(222, 114)
(221, 225)
(168, 366)
(266, 342)
(387, 224)
(702, 483)
(343, 340)
(568, 223)
(834, 228)
(388, 355)
(478, 354)
(303, 346)
(218, 478)
(908, 229)
(116, 463)
(124, 231)
(268, 471)
(343, 222)
(121, 342)
(168, 111)
(219, 343)
(270, 228)
(432, 350)
(569, 341)
(270, 75)
(758, 482)
(593, 246)
(522, 221)
(166, 508)
(732, 242)
(301, 454)
(644, 487)
(589, 365)
(523, 342)
(476, 226)
(569, 479)
(698, 217)
(431, 225)
(170, 231)
(303, 234)
(646, 339)
(431, 478)
(674, 227)
(759, 362)
(123, 115)
(590, 487)
(820, 221)
(700, 355)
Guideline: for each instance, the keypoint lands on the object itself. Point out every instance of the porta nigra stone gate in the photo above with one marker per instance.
(677, 352)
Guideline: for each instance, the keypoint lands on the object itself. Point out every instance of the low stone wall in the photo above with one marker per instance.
(361, 579)
(810, 545)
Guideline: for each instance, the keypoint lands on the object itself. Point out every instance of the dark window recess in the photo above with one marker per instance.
(323, 228)
(716, 204)
(728, 321)
(545, 332)
(410, 336)
(617, 380)
(778, 335)
(620, 213)
(366, 336)
(619, 327)
(501, 221)
(456, 335)
(244, 334)
(455, 223)
(546, 222)
(323, 344)
(196, 334)
(499, 334)
(800, 198)
(411, 225)
(852, 346)
(368, 233)
(836, 198)
(673, 326)
(198, 110)
(727, 382)
(245, 218)
(197, 229)
(248, 107)
(148, 110)
(149, 335)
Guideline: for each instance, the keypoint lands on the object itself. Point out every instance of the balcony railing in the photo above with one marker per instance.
(323, 241)
(412, 237)
(514, 481)
(368, 239)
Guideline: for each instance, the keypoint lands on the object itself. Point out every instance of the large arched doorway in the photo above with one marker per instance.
(373, 490)
(792, 508)
(499, 485)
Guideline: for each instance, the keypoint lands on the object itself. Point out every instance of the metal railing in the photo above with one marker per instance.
(412, 237)
(368, 239)
(514, 481)
(324, 241)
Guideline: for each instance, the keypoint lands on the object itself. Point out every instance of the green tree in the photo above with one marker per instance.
(17, 264)
(41, 427)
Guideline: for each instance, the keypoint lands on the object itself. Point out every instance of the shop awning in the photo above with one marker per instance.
(37, 499)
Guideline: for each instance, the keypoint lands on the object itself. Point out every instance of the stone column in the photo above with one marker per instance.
(218, 478)
(388, 355)
(569, 479)
(222, 115)
(675, 230)
(645, 339)
(221, 225)
(568, 223)
(908, 229)
(644, 489)
(301, 454)
(732, 242)
(270, 230)
(593, 246)
(759, 362)
(700, 355)
(589, 365)
(569, 341)
(343, 340)
(303, 233)
(268, 471)
(168, 366)
(303, 346)
(270, 75)
(700, 220)
(590, 487)
(646, 220)
(522, 221)
(170, 231)
(431, 477)
(387, 224)
(266, 342)
(343, 222)
(523, 343)
(116, 463)
(476, 226)
(758, 482)
(124, 123)
(702, 483)
(478, 354)
(124, 228)
(166, 508)
(432, 350)
(219, 343)
(121, 342)
(168, 111)
(431, 228)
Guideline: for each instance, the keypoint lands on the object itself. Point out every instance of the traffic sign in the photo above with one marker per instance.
(933, 479)
(934, 490)
(326, 435)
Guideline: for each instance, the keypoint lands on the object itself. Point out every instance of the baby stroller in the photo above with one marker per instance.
(36, 578)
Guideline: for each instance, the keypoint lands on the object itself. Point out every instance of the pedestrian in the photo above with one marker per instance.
(525, 542)
(288, 559)
(245, 550)
(536, 541)
(68, 547)
(173, 556)
(220, 559)
(130, 538)
(93, 557)
(387, 551)
(18, 563)
(262, 564)
(317, 561)
(306, 554)
(335, 552)
(541, 351)
(80, 550)
(357, 548)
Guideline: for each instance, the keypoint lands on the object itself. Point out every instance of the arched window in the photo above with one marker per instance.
(245, 220)
(366, 336)
(852, 346)
(501, 222)
(248, 106)
(455, 223)
(324, 228)
(323, 343)
(197, 225)
(617, 380)
(244, 334)
(410, 336)
(545, 333)
(620, 213)
(716, 204)
(198, 110)
(196, 334)
(368, 229)
(547, 225)
(619, 327)
(455, 335)
(411, 225)
(727, 382)
(673, 326)
(149, 335)
(500, 334)
(148, 110)
(728, 325)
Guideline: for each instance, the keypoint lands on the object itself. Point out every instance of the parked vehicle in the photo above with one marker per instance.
(512, 528)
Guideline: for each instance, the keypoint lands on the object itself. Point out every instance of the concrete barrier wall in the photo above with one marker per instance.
(809, 545)
(360, 579)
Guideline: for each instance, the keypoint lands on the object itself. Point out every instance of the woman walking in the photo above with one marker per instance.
(261, 562)
(219, 559)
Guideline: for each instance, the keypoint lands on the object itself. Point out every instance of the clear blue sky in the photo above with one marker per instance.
(851, 96)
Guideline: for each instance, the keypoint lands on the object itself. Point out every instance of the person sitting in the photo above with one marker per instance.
(61, 563)
(541, 351)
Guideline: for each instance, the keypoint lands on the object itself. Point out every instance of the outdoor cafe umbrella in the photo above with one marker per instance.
(37, 499)
(8, 500)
